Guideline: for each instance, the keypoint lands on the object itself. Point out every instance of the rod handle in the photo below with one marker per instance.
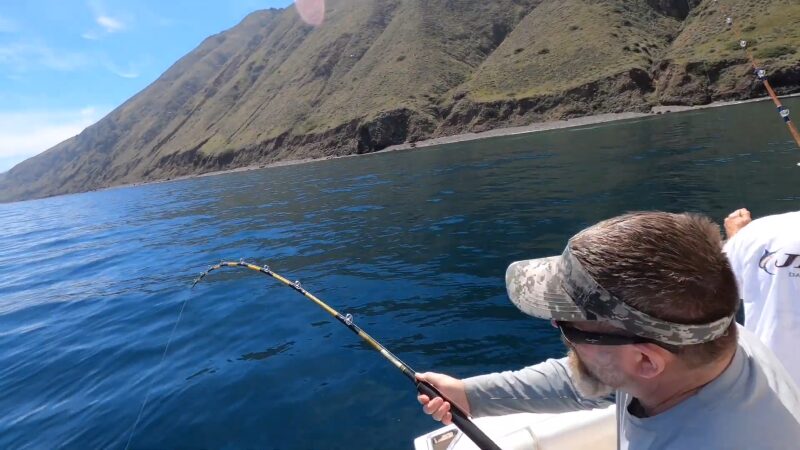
(460, 418)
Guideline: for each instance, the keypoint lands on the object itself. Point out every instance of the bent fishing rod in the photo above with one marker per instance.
(460, 418)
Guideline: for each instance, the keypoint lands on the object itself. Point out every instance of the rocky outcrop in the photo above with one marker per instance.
(700, 83)
(355, 137)
(627, 91)
(674, 8)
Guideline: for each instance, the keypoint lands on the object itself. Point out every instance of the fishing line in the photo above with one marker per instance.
(149, 389)
(460, 418)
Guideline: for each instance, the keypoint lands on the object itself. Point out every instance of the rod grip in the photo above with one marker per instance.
(460, 418)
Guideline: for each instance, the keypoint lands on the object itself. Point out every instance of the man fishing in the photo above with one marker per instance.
(645, 304)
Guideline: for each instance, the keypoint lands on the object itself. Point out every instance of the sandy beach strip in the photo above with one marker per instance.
(569, 123)
(511, 131)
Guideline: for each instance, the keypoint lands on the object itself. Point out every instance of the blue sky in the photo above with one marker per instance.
(64, 64)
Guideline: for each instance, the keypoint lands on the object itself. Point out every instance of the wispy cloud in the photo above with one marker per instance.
(19, 57)
(110, 24)
(107, 23)
(24, 134)
(91, 35)
(8, 25)
(125, 72)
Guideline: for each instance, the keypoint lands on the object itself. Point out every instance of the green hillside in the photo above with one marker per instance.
(565, 44)
(383, 72)
(705, 61)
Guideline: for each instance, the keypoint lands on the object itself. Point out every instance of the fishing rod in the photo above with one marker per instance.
(761, 74)
(460, 418)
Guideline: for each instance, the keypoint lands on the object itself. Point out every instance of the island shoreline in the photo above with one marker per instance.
(596, 119)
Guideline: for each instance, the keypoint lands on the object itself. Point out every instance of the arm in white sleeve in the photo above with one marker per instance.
(544, 388)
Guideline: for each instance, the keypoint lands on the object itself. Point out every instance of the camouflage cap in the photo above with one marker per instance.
(559, 288)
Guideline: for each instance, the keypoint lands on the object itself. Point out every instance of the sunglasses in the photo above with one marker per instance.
(576, 336)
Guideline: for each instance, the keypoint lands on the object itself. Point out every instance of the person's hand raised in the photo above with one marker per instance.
(736, 221)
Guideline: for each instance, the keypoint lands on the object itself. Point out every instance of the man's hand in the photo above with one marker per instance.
(736, 221)
(452, 388)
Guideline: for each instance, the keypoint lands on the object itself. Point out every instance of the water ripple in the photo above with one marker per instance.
(413, 244)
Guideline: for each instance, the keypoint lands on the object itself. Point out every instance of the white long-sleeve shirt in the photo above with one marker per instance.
(765, 256)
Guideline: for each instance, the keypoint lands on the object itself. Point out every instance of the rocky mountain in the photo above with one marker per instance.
(383, 72)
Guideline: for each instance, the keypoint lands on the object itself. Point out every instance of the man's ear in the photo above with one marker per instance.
(651, 360)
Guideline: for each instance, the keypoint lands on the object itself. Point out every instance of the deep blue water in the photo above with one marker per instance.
(413, 244)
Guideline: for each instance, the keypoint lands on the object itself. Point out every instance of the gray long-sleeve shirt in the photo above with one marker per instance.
(753, 404)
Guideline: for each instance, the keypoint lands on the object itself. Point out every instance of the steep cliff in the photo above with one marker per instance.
(382, 72)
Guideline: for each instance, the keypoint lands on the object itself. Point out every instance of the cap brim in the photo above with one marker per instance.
(535, 287)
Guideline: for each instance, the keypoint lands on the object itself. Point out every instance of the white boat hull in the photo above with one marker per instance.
(595, 429)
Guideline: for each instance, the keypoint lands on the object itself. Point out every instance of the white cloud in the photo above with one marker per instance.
(127, 72)
(25, 56)
(24, 134)
(110, 24)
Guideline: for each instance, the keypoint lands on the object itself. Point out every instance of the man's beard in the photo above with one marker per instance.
(587, 383)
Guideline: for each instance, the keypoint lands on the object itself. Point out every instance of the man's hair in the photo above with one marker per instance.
(669, 266)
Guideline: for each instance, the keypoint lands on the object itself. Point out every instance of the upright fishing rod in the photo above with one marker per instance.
(460, 418)
(761, 74)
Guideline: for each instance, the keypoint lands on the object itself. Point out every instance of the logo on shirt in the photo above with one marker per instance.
(772, 261)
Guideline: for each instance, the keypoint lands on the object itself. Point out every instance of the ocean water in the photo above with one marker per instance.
(413, 244)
